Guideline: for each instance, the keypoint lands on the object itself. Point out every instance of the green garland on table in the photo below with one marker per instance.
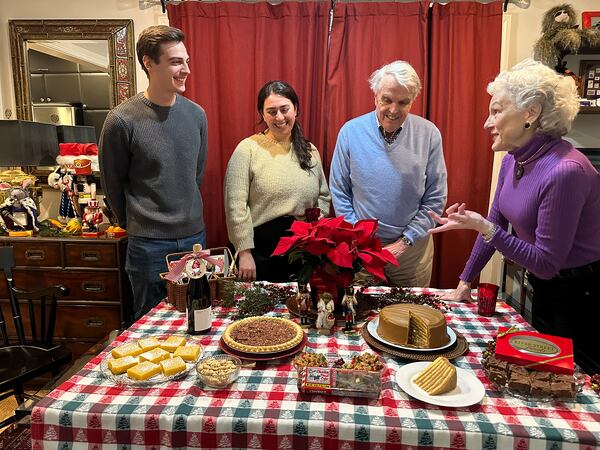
(400, 295)
(253, 300)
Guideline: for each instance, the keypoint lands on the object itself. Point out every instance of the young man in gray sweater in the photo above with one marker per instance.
(153, 150)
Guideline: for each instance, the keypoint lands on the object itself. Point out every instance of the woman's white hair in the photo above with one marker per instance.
(402, 72)
(531, 82)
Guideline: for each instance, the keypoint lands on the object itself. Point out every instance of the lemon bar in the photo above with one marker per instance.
(172, 342)
(130, 349)
(120, 365)
(143, 371)
(172, 366)
(149, 343)
(155, 356)
(188, 352)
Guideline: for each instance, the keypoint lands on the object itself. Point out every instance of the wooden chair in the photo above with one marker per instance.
(34, 353)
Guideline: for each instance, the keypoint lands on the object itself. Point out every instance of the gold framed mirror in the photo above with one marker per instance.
(121, 51)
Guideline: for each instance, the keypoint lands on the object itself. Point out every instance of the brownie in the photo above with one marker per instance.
(562, 378)
(562, 389)
(497, 376)
(540, 388)
(495, 363)
(519, 383)
(517, 371)
(541, 376)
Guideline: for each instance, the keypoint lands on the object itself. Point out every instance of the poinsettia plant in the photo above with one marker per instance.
(336, 247)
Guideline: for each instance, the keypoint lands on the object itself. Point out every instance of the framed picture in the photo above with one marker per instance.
(589, 74)
(590, 19)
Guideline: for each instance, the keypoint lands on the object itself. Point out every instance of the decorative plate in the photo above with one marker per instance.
(468, 391)
(372, 329)
(124, 380)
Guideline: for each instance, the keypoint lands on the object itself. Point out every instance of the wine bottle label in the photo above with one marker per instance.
(202, 319)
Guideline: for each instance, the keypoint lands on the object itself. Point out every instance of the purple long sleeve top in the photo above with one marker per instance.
(554, 210)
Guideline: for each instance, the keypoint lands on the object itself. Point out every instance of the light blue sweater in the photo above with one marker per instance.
(395, 183)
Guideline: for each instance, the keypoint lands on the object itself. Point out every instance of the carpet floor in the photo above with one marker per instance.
(15, 437)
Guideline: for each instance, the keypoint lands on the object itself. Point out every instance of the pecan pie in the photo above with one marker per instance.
(263, 335)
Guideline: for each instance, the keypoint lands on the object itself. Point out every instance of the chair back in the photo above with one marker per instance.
(41, 305)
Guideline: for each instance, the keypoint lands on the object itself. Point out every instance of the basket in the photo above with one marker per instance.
(177, 292)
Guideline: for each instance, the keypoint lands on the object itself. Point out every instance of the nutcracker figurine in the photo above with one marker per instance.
(303, 304)
(325, 318)
(92, 218)
(349, 303)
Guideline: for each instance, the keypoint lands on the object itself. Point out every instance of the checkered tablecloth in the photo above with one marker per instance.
(264, 409)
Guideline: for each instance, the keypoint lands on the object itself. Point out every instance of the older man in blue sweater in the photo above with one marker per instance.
(389, 165)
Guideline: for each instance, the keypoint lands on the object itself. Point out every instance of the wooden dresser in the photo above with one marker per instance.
(93, 269)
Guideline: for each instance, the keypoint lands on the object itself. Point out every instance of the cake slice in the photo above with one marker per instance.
(439, 377)
(172, 366)
(130, 349)
(172, 342)
(188, 352)
(120, 365)
(143, 371)
(155, 356)
(149, 343)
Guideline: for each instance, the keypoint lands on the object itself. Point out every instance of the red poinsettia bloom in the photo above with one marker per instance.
(337, 247)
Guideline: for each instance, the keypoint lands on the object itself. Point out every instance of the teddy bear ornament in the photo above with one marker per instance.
(560, 36)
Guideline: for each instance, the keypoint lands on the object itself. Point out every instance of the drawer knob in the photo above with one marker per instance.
(94, 322)
(88, 255)
(35, 254)
(90, 286)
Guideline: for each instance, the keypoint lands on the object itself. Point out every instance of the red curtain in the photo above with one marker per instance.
(365, 36)
(465, 57)
(235, 48)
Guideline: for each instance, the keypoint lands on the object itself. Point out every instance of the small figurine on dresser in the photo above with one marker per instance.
(349, 303)
(303, 304)
(92, 218)
(325, 318)
(18, 213)
(71, 180)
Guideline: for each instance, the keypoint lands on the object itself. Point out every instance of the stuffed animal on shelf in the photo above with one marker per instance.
(19, 212)
(560, 36)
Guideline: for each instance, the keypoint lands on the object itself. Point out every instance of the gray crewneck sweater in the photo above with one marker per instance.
(152, 161)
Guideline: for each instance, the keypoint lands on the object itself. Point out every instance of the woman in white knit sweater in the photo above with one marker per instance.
(272, 178)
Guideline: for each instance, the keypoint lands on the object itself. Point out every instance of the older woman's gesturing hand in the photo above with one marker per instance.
(459, 218)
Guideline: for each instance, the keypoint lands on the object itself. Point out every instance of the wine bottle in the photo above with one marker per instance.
(199, 305)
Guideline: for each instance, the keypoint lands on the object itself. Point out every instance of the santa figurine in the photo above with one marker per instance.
(92, 218)
(65, 177)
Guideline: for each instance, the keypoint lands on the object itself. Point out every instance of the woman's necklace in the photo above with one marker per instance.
(520, 165)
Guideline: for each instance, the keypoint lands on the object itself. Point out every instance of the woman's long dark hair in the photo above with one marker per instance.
(300, 144)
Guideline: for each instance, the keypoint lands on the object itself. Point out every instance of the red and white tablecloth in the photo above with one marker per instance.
(264, 409)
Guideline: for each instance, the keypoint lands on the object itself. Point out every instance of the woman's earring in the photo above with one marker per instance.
(527, 124)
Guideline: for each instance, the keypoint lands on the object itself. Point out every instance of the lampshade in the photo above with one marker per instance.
(24, 143)
(76, 133)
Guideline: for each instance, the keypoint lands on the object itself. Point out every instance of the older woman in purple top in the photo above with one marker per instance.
(550, 193)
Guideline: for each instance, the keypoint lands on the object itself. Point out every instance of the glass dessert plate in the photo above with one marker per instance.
(578, 383)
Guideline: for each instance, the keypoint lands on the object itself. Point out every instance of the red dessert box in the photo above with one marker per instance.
(536, 351)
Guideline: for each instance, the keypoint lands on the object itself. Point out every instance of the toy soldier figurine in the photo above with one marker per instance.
(325, 319)
(349, 303)
(303, 304)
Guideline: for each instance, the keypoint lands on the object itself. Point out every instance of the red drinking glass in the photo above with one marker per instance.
(487, 294)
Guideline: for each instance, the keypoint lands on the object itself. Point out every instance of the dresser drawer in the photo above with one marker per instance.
(90, 255)
(38, 254)
(82, 321)
(90, 285)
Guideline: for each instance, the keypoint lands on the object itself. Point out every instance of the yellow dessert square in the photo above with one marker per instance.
(188, 352)
(172, 366)
(172, 342)
(120, 365)
(130, 349)
(149, 343)
(143, 371)
(155, 356)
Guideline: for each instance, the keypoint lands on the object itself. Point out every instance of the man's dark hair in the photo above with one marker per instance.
(150, 39)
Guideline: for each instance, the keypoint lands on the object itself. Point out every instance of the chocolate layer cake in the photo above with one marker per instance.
(413, 325)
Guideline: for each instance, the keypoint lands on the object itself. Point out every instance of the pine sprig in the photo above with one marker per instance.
(399, 295)
(254, 300)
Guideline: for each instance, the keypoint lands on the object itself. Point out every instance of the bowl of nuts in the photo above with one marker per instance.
(218, 370)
